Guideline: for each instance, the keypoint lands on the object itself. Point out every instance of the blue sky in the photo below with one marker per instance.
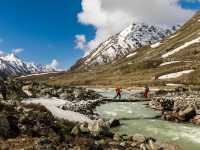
(46, 29)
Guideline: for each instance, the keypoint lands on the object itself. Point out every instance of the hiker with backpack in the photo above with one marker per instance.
(146, 91)
(118, 92)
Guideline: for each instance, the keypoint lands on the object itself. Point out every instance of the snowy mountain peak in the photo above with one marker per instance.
(124, 43)
(12, 58)
(11, 65)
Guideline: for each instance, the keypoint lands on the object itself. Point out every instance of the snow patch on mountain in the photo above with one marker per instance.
(197, 40)
(173, 84)
(131, 55)
(175, 75)
(155, 45)
(168, 63)
(173, 36)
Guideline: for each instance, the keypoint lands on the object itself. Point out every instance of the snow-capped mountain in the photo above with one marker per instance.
(38, 68)
(122, 44)
(11, 65)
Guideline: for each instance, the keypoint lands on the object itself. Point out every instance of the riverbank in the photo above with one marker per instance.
(180, 105)
(49, 125)
(136, 118)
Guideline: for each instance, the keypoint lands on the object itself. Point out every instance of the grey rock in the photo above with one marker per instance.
(188, 113)
(44, 140)
(100, 142)
(98, 127)
(76, 131)
(114, 123)
(84, 128)
(139, 138)
(117, 137)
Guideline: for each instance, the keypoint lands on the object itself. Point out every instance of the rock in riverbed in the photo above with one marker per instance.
(177, 106)
(114, 123)
(187, 114)
(196, 120)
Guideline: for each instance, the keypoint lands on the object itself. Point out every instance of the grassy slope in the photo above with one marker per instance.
(144, 66)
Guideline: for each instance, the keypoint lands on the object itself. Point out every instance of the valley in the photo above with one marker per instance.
(42, 108)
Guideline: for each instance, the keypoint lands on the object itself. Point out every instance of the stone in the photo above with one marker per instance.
(98, 127)
(196, 119)
(123, 144)
(63, 96)
(133, 144)
(116, 137)
(152, 145)
(114, 123)
(167, 104)
(76, 148)
(26, 90)
(100, 142)
(60, 90)
(77, 93)
(76, 131)
(84, 128)
(139, 138)
(126, 137)
(44, 140)
(187, 114)
(143, 146)
(50, 147)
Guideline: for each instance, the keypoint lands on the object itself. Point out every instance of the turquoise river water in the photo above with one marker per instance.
(137, 118)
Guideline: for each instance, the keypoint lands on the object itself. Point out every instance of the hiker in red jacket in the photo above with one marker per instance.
(118, 92)
(146, 91)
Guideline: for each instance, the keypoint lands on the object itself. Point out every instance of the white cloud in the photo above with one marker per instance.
(80, 41)
(17, 50)
(54, 64)
(111, 16)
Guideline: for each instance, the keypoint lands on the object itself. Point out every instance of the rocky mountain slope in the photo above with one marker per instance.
(126, 42)
(171, 61)
(10, 65)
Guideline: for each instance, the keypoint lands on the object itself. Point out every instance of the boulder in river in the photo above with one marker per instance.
(187, 114)
(138, 138)
(117, 137)
(114, 123)
(196, 119)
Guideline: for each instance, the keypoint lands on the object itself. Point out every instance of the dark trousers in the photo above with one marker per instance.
(118, 95)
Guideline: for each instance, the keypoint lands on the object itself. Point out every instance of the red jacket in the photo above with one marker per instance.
(118, 90)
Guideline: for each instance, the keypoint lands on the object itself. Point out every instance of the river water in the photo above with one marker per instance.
(137, 118)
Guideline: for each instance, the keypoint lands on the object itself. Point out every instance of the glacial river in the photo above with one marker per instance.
(137, 118)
